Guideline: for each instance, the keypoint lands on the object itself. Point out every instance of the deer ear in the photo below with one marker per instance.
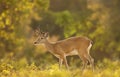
(46, 34)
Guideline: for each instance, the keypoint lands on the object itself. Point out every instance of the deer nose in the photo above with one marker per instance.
(35, 42)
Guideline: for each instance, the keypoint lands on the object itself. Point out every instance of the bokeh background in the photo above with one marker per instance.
(98, 20)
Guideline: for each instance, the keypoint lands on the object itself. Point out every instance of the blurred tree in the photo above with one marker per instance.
(15, 17)
(91, 18)
(106, 17)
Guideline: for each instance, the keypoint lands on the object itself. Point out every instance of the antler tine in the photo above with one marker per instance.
(39, 29)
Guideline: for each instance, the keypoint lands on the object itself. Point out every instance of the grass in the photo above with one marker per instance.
(9, 68)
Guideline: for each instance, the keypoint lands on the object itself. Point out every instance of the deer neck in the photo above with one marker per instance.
(48, 45)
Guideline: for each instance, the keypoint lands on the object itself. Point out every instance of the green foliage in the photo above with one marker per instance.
(97, 20)
(63, 18)
(20, 68)
(14, 20)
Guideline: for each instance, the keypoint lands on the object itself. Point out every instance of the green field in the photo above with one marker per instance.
(20, 68)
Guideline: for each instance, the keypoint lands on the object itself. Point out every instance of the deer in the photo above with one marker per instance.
(78, 45)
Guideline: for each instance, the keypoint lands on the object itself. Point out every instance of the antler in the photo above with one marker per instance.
(38, 31)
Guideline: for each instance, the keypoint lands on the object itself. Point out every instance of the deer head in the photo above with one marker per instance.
(41, 36)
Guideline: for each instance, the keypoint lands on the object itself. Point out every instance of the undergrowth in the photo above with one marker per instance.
(10, 68)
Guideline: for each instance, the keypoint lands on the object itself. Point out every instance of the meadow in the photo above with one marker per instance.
(11, 68)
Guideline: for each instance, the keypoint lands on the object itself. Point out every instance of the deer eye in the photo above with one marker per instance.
(41, 37)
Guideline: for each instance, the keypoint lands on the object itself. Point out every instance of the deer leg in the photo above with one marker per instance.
(85, 61)
(91, 60)
(66, 64)
(60, 62)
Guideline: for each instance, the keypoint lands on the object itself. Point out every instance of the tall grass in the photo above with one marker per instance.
(11, 68)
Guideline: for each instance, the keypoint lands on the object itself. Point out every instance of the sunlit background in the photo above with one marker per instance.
(98, 20)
